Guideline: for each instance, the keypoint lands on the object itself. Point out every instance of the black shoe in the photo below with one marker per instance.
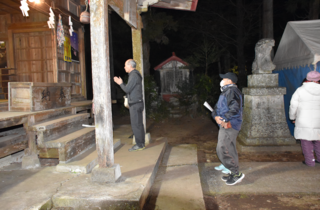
(136, 148)
(235, 178)
(304, 163)
(225, 178)
(317, 162)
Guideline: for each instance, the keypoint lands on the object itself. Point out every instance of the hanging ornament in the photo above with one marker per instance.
(70, 24)
(24, 8)
(51, 19)
(60, 32)
(85, 16)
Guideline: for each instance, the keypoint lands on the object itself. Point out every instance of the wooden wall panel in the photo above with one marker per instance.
(33, 56)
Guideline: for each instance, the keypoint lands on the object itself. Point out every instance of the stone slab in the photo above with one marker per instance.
(177, 185)
(129, 192)
(123, 132)
(183, 154)
(264, 91)
(263, 80)
(30, 189)
(263, 178)
(276, 140)
(268, 148)
(85, 162)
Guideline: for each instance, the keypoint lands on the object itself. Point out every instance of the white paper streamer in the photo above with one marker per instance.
(51, 19)
(208, 106)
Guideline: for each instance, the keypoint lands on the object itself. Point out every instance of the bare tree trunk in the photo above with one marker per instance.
(267, 19)
(314, 10)
(240, 45)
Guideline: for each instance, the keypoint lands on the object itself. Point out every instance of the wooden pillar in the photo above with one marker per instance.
(101, 81)
(137, 47)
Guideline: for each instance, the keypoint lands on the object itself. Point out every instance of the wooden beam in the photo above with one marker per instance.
(101, 81)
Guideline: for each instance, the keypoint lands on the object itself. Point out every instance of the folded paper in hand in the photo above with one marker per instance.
(126, 102)
(208, 106)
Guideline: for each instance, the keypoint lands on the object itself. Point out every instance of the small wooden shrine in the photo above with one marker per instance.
(172, 71)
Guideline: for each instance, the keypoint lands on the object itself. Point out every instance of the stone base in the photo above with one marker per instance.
(147, 139)
(241, 147)
(30, 161)
(106, 175)
(263, 141)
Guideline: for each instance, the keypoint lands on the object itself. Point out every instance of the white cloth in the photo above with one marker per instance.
(305, 110)
(299, 45)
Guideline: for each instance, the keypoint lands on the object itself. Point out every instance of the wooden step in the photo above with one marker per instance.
(69, 146)
(12, 143)
(85, 162)
(54, 129)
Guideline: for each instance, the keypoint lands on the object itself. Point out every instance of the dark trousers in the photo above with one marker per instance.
(226, 149)
(137, 123)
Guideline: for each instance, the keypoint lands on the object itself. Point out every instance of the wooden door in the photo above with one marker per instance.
(33, 56)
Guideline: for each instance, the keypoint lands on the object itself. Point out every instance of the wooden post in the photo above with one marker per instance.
(138, 57)
(82, 63)
(101, 81)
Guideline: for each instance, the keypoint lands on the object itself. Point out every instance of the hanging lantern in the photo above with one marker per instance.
(85, 16)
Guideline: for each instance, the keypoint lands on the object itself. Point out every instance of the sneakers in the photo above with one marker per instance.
(233, 178)
(317, 161)
(225, 178)
(223, 168)
(226, 171)
(136, 148)
(219, 168)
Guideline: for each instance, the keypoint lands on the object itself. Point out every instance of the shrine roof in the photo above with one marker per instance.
(172, 58)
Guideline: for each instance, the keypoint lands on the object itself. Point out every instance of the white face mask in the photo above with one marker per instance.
(221, 83)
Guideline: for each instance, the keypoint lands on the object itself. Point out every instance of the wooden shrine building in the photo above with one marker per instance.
(46, 84)
(172, 71)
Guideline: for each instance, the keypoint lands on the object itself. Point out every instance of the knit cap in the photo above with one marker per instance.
(313, 76)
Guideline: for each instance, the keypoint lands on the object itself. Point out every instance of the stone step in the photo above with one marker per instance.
(54, 129)
(177, 184)
(69, 146)
(85, 162)
(138, 171)
(12, 143)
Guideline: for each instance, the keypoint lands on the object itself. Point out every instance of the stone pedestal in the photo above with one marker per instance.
(106, 175)
(264, 121)
(30, 161)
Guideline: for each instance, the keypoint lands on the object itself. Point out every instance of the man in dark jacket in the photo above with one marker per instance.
(228, 114)
(133, 89)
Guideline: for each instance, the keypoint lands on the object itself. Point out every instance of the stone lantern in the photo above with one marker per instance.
(264, 121)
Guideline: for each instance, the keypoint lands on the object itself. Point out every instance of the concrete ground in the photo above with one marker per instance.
(263, 178)
(45, 188)
(177, 184)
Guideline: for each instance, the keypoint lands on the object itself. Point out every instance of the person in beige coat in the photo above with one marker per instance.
(305, 112)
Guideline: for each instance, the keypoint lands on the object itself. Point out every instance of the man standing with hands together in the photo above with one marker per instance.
(133, 89)
(228, 114)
